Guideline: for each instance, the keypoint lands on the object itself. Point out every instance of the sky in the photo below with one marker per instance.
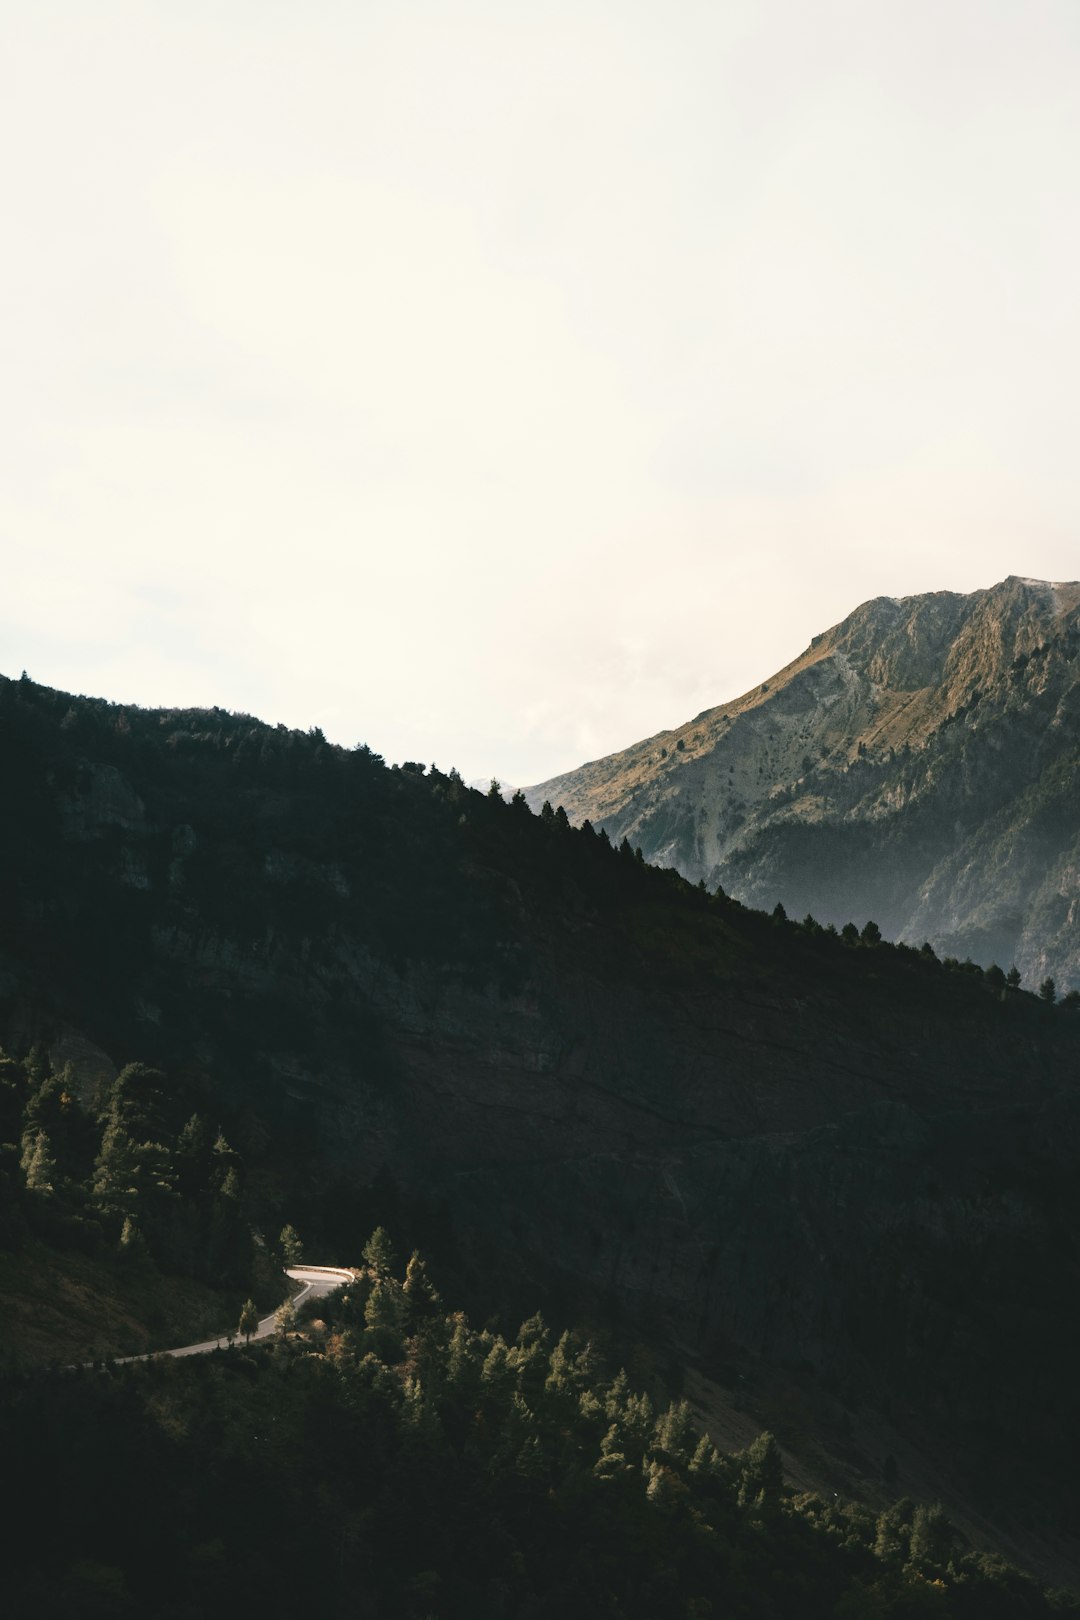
(498, 384)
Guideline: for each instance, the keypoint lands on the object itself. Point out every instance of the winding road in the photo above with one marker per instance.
(316, 1280)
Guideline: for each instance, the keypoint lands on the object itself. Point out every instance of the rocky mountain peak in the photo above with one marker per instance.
(850, 782)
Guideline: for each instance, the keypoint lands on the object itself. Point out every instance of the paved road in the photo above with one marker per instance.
(316, 1280)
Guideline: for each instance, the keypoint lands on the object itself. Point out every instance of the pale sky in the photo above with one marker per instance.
(500, 383)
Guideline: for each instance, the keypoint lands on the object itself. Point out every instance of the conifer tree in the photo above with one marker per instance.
(384, 1316)
(892, 1536)
(422, 1300)
(763, 1472)
(114, 1188)
(496, 1377)
(706, 1458)
(462, 1371)
(38, 1163)
(193, 1158)
(674, 1432)
(249, 1320)
(292, 1250)
(422, 1432)
(931, 1538)
(378, 1253)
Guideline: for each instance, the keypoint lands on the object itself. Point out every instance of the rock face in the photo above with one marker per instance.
(919, 764)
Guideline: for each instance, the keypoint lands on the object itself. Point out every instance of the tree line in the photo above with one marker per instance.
(386, 1457)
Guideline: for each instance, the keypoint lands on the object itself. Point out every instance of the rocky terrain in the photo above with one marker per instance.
(918, 764)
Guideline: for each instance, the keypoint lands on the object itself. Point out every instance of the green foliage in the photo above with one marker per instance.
(292, 1250)
(38, 1164)
(249, 1319)
(379, 1254)
(457, 1487)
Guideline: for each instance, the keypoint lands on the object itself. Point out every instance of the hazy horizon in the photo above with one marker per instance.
(501, 389)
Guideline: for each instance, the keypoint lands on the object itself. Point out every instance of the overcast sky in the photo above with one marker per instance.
(501, 383)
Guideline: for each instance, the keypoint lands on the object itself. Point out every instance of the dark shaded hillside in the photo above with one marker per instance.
(389, 1460)
(768, 1141)
(918, 764)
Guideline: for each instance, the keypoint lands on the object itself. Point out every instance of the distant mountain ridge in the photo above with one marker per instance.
(919, 764)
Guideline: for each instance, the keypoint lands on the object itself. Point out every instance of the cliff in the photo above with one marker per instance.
(917, 764)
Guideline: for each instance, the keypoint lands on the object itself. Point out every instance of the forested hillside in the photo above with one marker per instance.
(833, 1173)
(390, 1460)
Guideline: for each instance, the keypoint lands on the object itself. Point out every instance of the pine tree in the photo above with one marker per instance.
(706, 1458)
(38, 1163)
(378, 1253)
(496, 1377)
(892, 1536)
(193, 1158)
(384, 1316)
(137, 1099)
(292, 1250)
(422, 1432)
(422, 1301)
(931, 1538)
(249, 1320)
(462, 1369)
(763, 1472)
(1048, 992)
(225, 1167)
(673, 1435)
(114, 1188)
(617, 1394)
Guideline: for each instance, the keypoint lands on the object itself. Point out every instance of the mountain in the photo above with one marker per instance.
(918, 764)
(829, 1178)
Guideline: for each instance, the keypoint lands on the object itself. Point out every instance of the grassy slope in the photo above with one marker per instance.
(68, 1307)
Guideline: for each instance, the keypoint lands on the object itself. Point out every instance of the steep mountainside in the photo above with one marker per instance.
(918, 764)
(781, 1148)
